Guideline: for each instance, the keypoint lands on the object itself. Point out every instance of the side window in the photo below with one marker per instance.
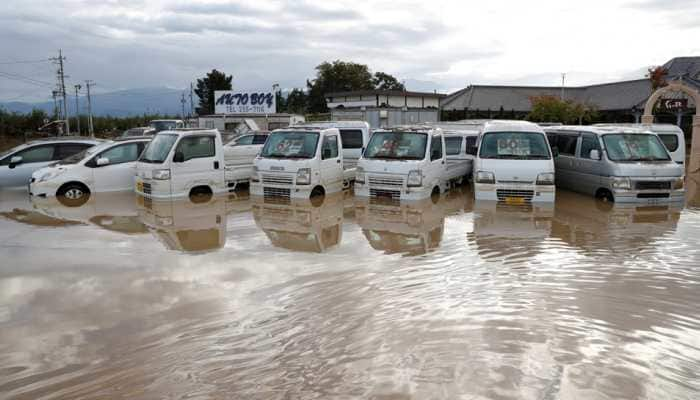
(471, 141)
(244, 140)
(588, 143)
(66, 150)
(453, 145)
(121, 154)
(196, 147)
(435, 148)
(670, 141)
(330, 147)
(37, 154)
(259, 139)
(567, 144)
(352, 138)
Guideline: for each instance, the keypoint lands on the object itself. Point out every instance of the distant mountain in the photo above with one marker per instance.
(154, 100)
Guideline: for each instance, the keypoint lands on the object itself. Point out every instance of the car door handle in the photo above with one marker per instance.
(338, 161)
(216, 165)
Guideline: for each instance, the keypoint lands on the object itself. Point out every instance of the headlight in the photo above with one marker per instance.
(51, 174)
(304, 176)
(621, 183)
(678, 184)
(545, 179)
(485, 177)
(415, 178)
(161, 174)
(360, 175)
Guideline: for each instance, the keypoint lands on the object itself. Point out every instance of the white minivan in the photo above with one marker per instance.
(108, 167)
(671, 135)
(513, 164)
(403, 163)
(299, 162)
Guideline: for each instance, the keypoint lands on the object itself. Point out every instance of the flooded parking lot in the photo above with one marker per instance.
(242, 298)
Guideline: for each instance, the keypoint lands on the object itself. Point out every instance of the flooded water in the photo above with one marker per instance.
(122, 298)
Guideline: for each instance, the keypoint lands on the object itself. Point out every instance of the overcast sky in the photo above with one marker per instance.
(443, 45)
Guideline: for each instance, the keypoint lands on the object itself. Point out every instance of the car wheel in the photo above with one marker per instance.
(73, 194)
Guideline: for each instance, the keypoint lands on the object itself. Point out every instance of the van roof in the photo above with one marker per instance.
(512, 125)
(410, 128)
(597, 130)
(189, 131)
(651, 127)
(334, 124)
(302, 128)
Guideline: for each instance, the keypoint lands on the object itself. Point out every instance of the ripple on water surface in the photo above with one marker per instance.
(243, 298)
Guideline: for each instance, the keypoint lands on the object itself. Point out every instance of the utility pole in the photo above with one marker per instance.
(77, 108)
(191, 102)
(54, 93)
(182, 102)
(62, 86)
(89, 83)
(563, 78)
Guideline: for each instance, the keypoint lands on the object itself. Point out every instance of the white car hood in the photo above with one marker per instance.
(389, 166)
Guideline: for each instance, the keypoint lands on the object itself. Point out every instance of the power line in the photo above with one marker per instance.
(25, 79)
(24, 62)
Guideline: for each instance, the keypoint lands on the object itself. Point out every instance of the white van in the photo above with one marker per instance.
(514, 163)
(166, 124)
(355, 136)
(108, 167)
(403, 163)
(459, 147)
(671, 135)
(299, 162)
(240, 153)
(182, 163)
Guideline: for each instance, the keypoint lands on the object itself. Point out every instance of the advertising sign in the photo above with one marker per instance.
(244, 102)
(673, 104)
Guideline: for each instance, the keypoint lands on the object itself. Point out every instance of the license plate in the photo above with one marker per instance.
(139, 186)
(514, 200)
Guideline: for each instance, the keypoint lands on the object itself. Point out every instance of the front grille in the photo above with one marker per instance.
(652, 195)
(516, 182)
(146, 188)
(278, 179)
(502, 194)
(276, 192)
(391, 194)
(653, 185)
(385, 181)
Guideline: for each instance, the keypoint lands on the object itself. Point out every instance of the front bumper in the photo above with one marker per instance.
(277, 190)
(44, 189)
(649, 196)
(514, 193)
(394, 192)
(155, 189)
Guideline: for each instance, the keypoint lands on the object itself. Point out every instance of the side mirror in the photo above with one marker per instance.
(14, 161)
(555, 151)
(179, 157)
(594, 155)
(102, 161)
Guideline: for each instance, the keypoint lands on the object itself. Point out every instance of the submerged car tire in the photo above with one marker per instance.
(73, 194)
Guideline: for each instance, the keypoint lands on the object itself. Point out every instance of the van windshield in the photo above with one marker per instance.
(515, 145)
(670, 140)
(397, 145)
(635, 147)
(290, 145)
(158, 149)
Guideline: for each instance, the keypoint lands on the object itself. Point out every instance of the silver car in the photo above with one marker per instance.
(18, 163)
(620, 164)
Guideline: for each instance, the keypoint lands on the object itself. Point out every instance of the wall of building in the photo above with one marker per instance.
(231, 122)
(383, 117)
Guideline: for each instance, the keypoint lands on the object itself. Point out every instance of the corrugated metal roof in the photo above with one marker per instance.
(384, 93)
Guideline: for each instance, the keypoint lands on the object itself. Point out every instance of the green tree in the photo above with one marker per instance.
(297, 102)
(338, 76)
(553, 109)
(206, 86)
(384, 81)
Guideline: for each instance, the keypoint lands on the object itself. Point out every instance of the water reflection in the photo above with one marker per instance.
(511, 233)
(300, 224)
(185, 225)
(409, 228)
(593, 225)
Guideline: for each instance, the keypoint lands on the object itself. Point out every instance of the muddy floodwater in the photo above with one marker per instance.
(239, 298)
